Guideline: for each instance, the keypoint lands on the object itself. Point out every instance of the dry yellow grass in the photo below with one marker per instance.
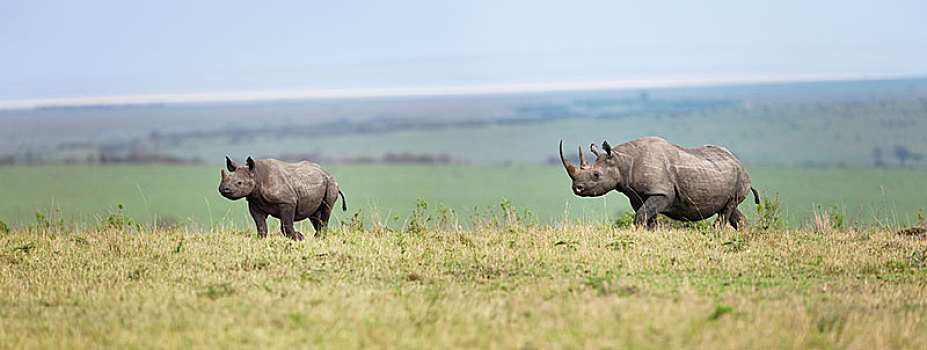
(496, 286)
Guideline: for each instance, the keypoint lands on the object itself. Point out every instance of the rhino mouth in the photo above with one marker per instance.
(230, 196)
(228, 193)
(589, 192)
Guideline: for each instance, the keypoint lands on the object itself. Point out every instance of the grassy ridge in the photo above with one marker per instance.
(504, 284)
(819, 134)
(182, 194)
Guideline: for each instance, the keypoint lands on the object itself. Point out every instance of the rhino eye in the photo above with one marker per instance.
(239, 181)
(595, 175)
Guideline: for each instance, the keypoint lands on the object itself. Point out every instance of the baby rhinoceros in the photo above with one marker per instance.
(658, 177)
(287, 191)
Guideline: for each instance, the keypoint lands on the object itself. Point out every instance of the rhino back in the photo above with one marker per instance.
(283, 182)
(307, 178)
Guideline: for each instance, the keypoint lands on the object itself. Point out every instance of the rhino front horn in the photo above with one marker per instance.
(571, 170)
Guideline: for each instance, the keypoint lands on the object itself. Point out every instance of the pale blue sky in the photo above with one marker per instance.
(86, 48)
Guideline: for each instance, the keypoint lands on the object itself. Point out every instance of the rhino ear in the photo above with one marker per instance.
(230, 164)
(607, 147)
(250, 164)
(594, 149)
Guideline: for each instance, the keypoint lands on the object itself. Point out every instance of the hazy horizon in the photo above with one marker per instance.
(422, 91)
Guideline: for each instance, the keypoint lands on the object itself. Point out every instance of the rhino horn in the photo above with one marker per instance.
(583, 164)
(230, 164)
(224, 175)
(571, 170)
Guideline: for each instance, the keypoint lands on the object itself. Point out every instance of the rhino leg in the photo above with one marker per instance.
(729, 215)
(736, 218)
(260, 220)
(721, 219)
(647, 214)
(320, 220)
(287, 213)
(320, 217)
(724, 217)
(317, 225)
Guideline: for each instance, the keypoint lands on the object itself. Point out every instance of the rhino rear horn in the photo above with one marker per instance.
(230, 164)
(583, 164)
(571, 170)
(224, 175)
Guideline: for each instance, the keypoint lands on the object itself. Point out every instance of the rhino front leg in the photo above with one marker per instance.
(260, 220)
(287, 213)
(647, 214)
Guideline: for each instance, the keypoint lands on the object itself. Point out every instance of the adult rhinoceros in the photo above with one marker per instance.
(687, 184)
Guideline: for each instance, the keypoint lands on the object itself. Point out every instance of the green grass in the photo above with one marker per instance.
(504, 285)
(187, 194)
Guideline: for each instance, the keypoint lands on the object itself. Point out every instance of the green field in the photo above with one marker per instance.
(187, 194)
(505, 285)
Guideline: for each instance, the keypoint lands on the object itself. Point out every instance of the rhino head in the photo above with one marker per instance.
(241, 182)
(592, 180)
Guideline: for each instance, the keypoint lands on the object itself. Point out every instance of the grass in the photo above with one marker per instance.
(506, 283)
(187, 194)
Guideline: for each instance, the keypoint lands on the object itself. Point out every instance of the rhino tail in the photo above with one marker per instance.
(756, 196)
(344, 203)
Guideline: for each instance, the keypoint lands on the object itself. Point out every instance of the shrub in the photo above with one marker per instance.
(769, 213)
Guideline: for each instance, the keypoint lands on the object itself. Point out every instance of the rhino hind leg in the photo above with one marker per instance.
(320, 217)
(647, 214)
(722, 219)
(730, 215)
(319, 225)
(736, 218)
(316, 224)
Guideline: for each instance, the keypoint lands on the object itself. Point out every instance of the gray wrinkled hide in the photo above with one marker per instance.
(287, 191)
(658, 177)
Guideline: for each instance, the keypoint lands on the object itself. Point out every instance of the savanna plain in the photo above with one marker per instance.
(507, 282)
